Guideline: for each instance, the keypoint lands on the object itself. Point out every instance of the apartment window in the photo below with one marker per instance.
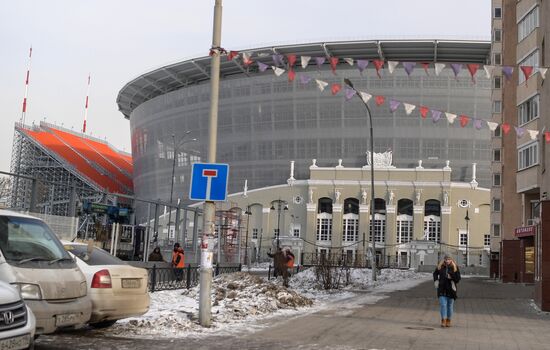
(404, 228)
(324, 229)
(528, 110)
(497, 106)
(497, 131)
(486, 241)
(276, 232)
(531, 60)
(463, 241)
(351, 228)
(528, 23)
(496, 155)
(496, 180)
(528, 155)
(497, 59)
(432, 228)
(496, 230)
(254, 233)
(497, 82)
(296, 232)
(497, 34)
(497, 13)
(496, 204)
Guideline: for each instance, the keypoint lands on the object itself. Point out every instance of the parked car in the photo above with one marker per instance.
(117, 290)
(33, 260)
(17, 322)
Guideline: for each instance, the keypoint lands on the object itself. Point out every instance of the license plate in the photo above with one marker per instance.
(15, 343)
(66, 320)
(131, 283)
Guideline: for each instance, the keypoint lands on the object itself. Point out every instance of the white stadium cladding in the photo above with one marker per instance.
(265, 121)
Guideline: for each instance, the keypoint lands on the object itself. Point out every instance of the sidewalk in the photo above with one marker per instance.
(488, 315)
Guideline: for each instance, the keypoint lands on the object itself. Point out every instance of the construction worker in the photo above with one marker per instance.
(178, 261)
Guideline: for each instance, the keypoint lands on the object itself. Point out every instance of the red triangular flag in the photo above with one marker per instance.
(505, 128)
(547, 136)
(424, 111)
(333, 63)
(426, 65)
(335, 88)
(473, 67)
(378, 64)
(379, 100)
(291, 59)
(464, 120)
(232, 54)
(291, 75)
(527, 71)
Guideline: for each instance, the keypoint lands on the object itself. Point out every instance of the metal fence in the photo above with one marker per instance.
(169, 278)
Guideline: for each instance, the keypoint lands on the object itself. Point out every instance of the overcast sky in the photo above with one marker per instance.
(117, 40)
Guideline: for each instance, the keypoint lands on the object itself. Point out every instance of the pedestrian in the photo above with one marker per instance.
(280, 265)
(179, 263)
(174, 253)
(156, 255)
(446, 276)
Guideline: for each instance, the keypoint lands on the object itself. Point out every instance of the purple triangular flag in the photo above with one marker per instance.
(320, 61)
(507, 71)
(262, 66)
(394, 105)
(304, 79)
(409, 67)
(348, 93)
(457, 67)
(362, 64)
(477, 124)
(519, 131)
(277, 59)
(436, 115)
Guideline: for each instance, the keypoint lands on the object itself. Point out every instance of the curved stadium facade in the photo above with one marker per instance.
(265, 121)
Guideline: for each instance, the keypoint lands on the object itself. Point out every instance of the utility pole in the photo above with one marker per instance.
(209, 218)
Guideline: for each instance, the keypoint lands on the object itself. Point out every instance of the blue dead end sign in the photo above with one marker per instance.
(209, 182)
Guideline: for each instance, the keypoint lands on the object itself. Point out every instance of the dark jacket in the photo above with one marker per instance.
(155, 256)
(445, 286)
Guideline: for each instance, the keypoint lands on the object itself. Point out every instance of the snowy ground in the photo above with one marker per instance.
(241, 301)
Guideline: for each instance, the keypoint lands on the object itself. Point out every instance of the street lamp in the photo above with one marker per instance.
(279, 202)
(467, 218)
(373, 256)
(247, 212)
(174, 155)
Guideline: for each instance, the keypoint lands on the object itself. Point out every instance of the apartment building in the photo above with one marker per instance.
(520, 180)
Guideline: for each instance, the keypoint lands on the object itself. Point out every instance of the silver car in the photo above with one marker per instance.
(17, 322)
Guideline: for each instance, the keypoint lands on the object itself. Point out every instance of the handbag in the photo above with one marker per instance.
(453, 286)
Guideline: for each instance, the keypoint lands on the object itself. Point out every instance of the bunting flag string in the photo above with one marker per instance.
(464, 120)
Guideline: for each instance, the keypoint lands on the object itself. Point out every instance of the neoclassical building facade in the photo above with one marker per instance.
(419, 214)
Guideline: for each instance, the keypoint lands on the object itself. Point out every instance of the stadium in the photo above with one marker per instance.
(266, 120)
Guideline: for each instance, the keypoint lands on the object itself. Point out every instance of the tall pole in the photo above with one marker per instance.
(209, 218)
(172, 182)
(278, 223)
(467, 218)
(373, 256)
(246, 239)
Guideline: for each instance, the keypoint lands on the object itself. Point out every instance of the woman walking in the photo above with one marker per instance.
(446, 276)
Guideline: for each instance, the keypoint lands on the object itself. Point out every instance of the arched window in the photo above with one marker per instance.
(324, 220)
(379, 206)
(351, 205)
(404, 220)
(432, 220)
(351, 220)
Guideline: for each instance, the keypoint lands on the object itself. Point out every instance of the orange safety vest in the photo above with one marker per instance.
(290, 262)
(181, 263)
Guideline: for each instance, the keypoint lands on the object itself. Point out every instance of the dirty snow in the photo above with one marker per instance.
(241, 301)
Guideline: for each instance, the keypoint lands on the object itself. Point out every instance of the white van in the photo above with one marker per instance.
(34, 261)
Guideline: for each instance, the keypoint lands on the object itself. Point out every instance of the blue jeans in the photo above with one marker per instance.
(446, 307)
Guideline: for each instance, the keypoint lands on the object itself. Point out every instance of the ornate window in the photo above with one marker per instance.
(324, 227)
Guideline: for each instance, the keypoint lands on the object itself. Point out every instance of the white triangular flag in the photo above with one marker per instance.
(542, 72)
(321, 84)
(439, 67)
(305, 61)
(392, 65)
(365, 96)
(278, 71)
(492, 126)
(450, 117)
(408, 108)
(533, 134)
(349, 61)
(488, 70)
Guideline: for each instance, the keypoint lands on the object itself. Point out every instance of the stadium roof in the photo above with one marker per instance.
(91, 159)
(194, 71)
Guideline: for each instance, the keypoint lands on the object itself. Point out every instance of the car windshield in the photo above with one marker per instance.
(24, 240)
(96, 257)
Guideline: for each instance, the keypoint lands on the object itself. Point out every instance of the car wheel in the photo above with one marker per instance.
(103, 324)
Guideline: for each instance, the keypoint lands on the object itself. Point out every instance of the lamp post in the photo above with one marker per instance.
(373, 256)
(279, 202)
(248, 213)
(467, 218)
(174, 156)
